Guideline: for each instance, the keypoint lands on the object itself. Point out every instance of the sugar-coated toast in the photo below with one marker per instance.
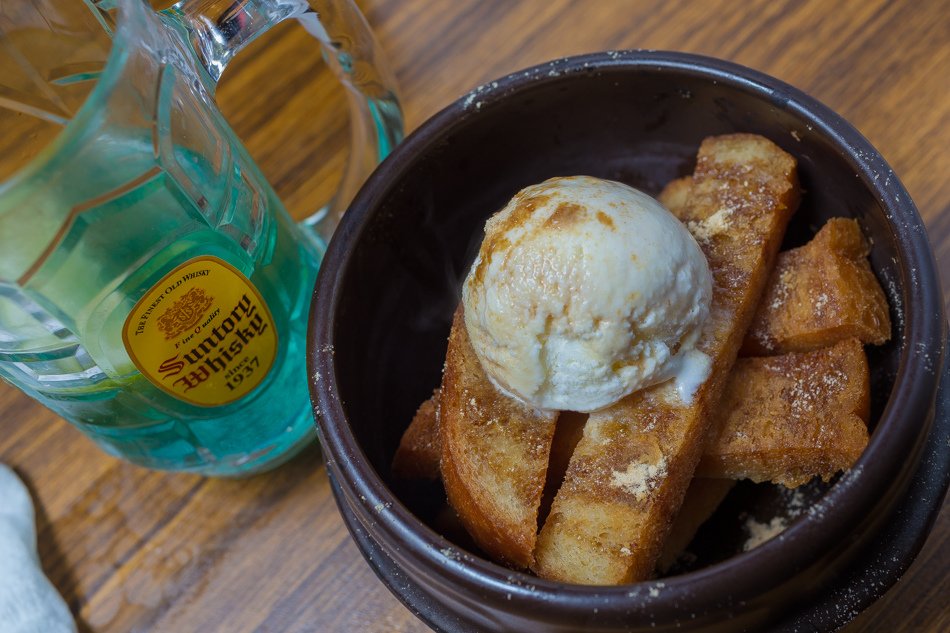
(675, 195)
(819, 294)
(494, 455)
(420, 447)
(630, 470)
(791, 417)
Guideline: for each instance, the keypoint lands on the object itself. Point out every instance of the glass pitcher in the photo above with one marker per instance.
(153, 289)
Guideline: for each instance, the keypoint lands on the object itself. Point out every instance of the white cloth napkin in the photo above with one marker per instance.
(28, 601)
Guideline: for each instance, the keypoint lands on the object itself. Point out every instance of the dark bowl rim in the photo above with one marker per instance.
(901, 428)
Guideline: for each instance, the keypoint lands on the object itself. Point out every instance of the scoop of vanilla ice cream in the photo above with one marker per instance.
(584, 290)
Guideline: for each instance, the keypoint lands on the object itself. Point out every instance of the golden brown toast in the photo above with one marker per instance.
(420, 442)
(494, 455)
(702, 498)
(630, 470)
(789, 418)
(675, 195)
(419, 448)
(820, 294)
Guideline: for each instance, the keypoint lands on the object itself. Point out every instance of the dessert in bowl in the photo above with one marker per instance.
(393, 279)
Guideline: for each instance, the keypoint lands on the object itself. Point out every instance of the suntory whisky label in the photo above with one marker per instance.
(202, 334)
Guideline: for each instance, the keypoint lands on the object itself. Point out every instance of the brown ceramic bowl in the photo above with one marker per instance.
(390, 282)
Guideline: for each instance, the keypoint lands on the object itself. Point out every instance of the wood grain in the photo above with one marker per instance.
(133, 550)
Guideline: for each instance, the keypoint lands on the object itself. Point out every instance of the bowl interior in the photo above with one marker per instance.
(639, 126)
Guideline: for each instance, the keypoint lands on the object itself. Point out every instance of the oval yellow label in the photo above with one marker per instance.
(202, 334)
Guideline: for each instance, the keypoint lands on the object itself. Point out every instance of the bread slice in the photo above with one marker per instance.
(820, 294)
(420, 447)
(675, 195)
(789, 418)
(630, 470)
(494, 455)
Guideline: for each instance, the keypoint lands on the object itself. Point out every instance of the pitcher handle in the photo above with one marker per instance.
(218, 29)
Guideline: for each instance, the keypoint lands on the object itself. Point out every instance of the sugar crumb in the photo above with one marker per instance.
(705, 230)
(639, 479)
(781, 289)
(762, 532)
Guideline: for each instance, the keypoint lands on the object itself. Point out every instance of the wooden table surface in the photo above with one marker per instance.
(133, 550)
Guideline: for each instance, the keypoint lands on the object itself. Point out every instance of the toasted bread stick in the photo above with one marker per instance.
(419, 448)
(494, 455)
(630, 471)
(820, 294)
(792, 417)
(675, 195)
